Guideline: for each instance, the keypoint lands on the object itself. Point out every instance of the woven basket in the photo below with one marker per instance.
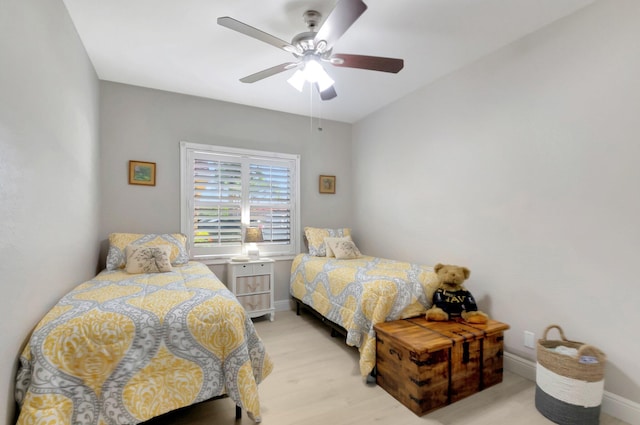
(569, 388)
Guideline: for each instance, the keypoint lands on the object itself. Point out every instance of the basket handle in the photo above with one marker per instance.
(591, 350)
(556, 327)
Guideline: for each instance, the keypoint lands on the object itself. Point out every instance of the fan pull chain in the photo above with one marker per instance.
(319, 121)
(318, 127)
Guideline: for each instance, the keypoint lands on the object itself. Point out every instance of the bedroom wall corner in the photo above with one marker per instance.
(49, 191)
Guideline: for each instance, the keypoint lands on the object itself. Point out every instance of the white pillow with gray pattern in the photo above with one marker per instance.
(343, 248)
(148, 259)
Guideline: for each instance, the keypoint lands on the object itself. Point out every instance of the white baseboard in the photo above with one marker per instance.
(520, 366)
(621, 408)
(284, 305)
(612, 404)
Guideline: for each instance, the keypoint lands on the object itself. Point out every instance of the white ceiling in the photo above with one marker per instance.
(176, 45)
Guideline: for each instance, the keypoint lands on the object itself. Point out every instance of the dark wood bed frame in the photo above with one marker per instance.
(336, 330)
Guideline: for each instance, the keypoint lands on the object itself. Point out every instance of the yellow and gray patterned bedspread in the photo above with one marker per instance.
(121, 349)
(357, 294)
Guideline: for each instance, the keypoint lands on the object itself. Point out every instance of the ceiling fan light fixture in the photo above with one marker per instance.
(312, 72)
(325, 82)
(315, 73)
(297, 80)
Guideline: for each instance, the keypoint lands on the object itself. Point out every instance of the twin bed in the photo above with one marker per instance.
(125, 347)
(355, 291)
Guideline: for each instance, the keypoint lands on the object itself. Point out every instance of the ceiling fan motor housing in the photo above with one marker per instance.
(305, 42)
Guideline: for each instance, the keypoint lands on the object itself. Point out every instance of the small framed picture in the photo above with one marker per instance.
(143, 173)
(327, 184)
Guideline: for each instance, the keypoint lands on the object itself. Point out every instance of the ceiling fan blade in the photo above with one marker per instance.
(328, 94)
(374, 63)
(245, 29)
(268, 72)
(343, 15)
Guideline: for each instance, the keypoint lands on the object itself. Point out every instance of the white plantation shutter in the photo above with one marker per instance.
(226, 189)
(270, 201)
(217, 202)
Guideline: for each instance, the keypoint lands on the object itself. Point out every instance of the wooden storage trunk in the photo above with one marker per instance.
(426, 365)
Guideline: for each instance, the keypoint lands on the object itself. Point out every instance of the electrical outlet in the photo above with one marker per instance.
(528, 339)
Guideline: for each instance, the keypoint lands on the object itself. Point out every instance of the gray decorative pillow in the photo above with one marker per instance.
(148, 259)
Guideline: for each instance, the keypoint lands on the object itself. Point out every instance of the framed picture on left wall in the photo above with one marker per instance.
(143, 173)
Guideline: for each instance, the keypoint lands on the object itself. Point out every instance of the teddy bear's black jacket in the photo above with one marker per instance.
(454, 302)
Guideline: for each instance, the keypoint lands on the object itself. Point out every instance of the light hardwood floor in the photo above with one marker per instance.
(316, 381)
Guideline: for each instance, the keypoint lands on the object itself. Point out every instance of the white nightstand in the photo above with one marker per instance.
(252, 283)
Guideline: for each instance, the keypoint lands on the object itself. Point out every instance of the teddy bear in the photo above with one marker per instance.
(451, 299)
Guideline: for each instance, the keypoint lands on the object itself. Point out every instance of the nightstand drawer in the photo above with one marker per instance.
(252, 284)
(262, 268)
(255, 302)
(250, 269)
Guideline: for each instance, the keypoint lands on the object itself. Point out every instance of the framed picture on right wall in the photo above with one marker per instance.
(327, 184)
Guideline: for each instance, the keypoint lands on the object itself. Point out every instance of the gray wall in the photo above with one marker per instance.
(148, 125)
(524, 167)
(49, 196)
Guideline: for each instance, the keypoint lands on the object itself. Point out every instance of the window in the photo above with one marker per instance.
(224, 190)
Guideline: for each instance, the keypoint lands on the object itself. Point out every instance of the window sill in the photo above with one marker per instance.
(210, 261)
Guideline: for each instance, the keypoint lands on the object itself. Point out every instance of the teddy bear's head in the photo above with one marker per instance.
(450, 275)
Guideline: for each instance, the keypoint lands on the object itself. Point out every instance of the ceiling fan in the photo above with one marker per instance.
(314, 47)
